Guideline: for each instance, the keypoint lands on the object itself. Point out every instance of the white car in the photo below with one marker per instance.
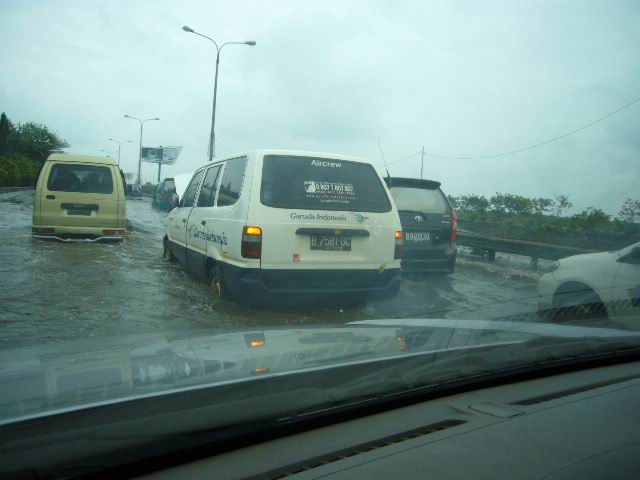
(274, 224)
(594, 285)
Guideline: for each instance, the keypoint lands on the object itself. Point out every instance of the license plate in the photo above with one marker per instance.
(418, 237)
(331, 243)
(79, 212)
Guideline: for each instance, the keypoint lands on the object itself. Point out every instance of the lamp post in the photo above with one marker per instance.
(119, 145)
(212, 135)
(140, 150)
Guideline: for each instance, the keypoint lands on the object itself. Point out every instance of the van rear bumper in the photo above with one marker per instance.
(253, 285)
(78, 234)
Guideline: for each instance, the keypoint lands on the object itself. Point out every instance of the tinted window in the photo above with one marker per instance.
(208, 190)
(169, 186)
(419, 200)
(190, 192)
(66, 177)
(231, 184)
(321, 184)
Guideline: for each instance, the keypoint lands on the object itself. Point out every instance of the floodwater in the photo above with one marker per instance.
(52, 291)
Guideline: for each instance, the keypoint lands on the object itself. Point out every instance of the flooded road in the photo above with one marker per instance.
(53, 291)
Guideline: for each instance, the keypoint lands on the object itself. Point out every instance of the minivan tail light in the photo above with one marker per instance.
(397, 252)
(454, 225)
(251, 242)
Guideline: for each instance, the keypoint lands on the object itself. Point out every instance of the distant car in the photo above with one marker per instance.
(429, 224)
(163, 197)
(592, 285)
(134, 191)
(79, 198)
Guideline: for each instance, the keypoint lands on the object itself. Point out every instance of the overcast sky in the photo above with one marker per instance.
(461, 78)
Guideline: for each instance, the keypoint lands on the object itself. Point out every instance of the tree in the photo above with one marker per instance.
(630, 211)
(562, 204)
(148, 188)
(37, 142)
(23, 149)
(7, 134)
(541, 206)
(507, 203)
(591, 219)
(475, 204)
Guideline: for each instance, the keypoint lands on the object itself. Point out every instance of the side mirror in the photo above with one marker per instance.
(633, 257)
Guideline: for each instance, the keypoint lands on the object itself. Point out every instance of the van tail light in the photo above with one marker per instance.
(163, 197)
(251, 242)
(397, 252)
(454, 225)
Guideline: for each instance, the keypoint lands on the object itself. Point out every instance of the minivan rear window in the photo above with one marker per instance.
(321, 184)
(67, 177)
(419, 200)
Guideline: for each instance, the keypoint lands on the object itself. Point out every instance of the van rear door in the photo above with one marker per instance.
(323, 213)
(79, 194)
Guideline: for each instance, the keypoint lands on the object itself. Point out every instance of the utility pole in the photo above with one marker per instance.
(160, 166)
(422, 163)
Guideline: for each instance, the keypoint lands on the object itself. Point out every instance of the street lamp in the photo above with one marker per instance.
(119, 145)
(140, 151)
(212, 135)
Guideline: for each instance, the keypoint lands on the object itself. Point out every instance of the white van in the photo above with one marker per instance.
(79, 198)
(287, 225)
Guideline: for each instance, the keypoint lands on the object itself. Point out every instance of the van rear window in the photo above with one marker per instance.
(67, 177)
(321, 184)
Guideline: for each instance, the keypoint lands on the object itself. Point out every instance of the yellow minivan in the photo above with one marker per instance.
(79, 198)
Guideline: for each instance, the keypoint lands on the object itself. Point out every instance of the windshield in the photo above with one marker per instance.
(325, 202)
(321, 184)
(419, 199)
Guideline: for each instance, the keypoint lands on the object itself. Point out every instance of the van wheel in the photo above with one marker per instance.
(167, 254)
(217, 284)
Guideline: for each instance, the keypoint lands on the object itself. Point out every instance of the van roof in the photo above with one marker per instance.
(297, 153)
(63, 157)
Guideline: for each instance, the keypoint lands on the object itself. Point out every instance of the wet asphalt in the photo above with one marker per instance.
(52, 291)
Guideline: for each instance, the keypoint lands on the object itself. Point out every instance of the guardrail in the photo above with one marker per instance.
(489, 245)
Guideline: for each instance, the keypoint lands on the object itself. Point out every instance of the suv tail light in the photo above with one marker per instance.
(251, 242)
(454, 225)
(397, 252)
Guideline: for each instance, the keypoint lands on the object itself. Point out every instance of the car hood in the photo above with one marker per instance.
(39, 380)
(584, 259)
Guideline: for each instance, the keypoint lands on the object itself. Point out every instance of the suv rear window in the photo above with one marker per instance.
(67, 177)
(420, 200)
(169, 186)
(321, 184)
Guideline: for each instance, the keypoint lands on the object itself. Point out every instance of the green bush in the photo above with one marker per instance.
(148, 188)
(18, 171)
